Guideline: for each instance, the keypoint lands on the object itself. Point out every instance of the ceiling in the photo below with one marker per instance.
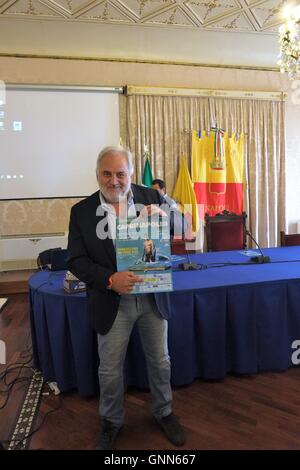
(217, 15)
(203, 31)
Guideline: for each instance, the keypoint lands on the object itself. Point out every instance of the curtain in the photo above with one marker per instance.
(165, 125)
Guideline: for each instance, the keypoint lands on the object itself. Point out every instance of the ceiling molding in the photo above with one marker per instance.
(141, 61)
(256, 16)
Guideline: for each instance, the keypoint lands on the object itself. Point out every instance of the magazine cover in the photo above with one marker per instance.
(143, 247)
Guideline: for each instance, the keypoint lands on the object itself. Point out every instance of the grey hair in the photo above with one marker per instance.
(115, 150)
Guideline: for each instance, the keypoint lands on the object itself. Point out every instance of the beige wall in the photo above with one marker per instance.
(94, 72)
(52, 215)
(56, 37)
(35, 216)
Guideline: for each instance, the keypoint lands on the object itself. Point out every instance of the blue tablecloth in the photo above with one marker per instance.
(239, 318)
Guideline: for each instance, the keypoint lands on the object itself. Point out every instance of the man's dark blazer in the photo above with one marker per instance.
(93, 260)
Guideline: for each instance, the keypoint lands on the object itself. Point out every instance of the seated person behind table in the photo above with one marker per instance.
(181, 225)
(149, 251)
(161, 188)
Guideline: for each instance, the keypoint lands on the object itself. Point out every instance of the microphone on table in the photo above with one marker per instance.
(261, 258)
(188, 266)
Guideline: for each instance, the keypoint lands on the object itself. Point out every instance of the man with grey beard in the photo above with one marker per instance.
(113, 308)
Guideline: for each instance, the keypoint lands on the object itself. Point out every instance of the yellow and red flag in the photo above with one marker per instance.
(185, 195)
(218, 171)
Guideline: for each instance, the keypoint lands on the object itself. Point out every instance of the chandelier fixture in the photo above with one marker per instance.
(289, 41)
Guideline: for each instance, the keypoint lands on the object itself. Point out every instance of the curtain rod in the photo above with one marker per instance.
(202, 92)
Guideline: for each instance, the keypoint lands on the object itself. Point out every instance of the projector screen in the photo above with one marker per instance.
(50, 138)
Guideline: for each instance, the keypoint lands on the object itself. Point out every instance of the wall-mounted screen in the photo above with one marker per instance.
(50, 138)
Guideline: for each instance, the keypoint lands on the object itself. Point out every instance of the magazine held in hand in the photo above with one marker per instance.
(143, 247)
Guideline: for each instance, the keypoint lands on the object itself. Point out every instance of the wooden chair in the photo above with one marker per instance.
(225, 231)
(289, 240)
(178, 246)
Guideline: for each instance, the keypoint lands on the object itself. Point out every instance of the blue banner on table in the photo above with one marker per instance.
(143, 247)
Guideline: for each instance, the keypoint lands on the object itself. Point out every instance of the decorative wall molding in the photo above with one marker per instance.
(140, 61)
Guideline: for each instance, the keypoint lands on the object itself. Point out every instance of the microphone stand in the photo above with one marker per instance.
(188, 266)
(258, 259)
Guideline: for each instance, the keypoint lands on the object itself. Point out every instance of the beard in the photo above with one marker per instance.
(114, 195)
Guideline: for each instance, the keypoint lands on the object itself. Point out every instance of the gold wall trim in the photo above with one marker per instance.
(32, 235)
(239, 94)
(140, 61)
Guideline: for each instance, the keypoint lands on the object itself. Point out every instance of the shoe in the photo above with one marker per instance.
(172, 429)
(108, 435)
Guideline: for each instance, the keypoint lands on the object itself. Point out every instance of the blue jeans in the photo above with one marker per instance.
(112, 347)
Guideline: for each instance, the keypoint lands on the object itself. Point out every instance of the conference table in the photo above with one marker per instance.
(230, 315)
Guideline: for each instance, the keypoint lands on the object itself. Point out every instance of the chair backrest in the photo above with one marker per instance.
(179, 247)
(225, 231)
(289, 240)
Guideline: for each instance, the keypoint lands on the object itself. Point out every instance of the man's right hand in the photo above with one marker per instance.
(123, 282)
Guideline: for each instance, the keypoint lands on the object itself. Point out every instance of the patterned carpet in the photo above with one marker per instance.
(25, 423)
